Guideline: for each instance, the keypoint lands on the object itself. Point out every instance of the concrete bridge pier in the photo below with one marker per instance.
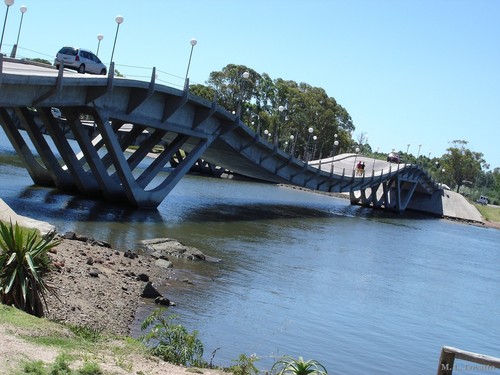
(101, 168)
(393, 194)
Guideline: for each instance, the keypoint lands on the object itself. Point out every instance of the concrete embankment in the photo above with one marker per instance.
(8, 215)
(447, 204)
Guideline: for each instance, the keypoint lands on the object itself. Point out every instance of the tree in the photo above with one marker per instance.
(304, 107)
(40, 61)
(461, 164)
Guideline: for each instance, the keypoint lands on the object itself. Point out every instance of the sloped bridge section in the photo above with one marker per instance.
(189, 127)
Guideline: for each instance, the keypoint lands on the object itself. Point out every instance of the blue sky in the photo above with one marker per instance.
(408, 71)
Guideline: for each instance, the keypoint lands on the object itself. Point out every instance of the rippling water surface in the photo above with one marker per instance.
(361, 291)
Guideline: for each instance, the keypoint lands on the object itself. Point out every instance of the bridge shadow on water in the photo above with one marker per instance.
(46, 204)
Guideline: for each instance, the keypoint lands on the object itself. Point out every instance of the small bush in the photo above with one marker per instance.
(90, 368)
(244, 365)
(172, 342)
(290, 366)
(23, 265)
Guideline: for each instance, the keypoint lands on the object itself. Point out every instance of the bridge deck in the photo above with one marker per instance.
(180, 121)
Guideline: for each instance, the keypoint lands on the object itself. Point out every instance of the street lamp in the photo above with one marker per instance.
(99, 38)
(306, 152)
(23, 10)
(276, 127)
(407, 147)
(373, 168)
(266, 134)
(334, 145)
(193, 42)
(8, 3)
(357, 150)
(315, 139)
(119, 21)
(245, 76)
(292, 144)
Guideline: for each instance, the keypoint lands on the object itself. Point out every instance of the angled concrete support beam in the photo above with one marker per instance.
(173, 104)
(61, 178)
(139, 96)
(54, 90)
(84, 181)
(96, 92)
(38, 173)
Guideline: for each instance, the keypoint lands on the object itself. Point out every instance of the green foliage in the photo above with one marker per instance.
(259, 98)
(171, 342)
(86, 333)
(40, 61)
(23, 264)
(460, 164)
(90, 368)
(61, 366)
(490, 213)
(290, 366)
(34, 367)
(244, 365)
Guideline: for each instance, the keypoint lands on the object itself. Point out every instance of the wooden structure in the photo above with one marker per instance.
(449, 354)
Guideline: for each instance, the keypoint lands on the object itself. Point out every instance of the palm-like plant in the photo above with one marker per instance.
(292, 366)
(23, 264)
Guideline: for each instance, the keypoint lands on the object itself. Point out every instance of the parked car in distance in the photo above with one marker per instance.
(393, 157)
(82, 60)
(483, 200)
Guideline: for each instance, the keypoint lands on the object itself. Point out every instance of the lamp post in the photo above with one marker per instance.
(193, 42)
(355, 158)
(8, 3)
(245, 76)
(306, 152)
(315, 140)
(119, 21)
(266, 134)
(407, 147)
(373, 168)
(23, 10)
(99, 38)
(292, 144)
(276, 127)
(334, 145)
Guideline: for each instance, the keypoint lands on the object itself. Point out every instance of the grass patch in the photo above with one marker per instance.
(490, 213)
(84, 346)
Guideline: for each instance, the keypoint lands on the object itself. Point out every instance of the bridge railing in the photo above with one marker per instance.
(449, 354)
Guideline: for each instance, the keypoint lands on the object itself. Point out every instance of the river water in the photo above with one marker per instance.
(302, 274)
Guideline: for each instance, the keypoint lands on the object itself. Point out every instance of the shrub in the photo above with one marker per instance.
(244, 365)
(23, 264)
(172, 342)
(290, 366)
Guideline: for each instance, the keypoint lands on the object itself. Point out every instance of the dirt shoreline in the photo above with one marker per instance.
(98, 286)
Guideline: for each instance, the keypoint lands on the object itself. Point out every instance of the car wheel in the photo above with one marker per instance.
(103, 72)
(81, 69)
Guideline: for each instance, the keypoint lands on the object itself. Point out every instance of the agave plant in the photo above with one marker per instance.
(291, 366)
(23, 264)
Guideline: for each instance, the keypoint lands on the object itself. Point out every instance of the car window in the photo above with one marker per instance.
(68, 51)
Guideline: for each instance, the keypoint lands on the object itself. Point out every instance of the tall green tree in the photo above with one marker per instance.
(461, 164)
(303, 107)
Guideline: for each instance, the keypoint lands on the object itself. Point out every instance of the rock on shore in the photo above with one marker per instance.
(98, 286)
(101, 288)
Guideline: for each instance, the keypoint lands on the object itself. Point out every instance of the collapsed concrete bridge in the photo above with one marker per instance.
(188, 126)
